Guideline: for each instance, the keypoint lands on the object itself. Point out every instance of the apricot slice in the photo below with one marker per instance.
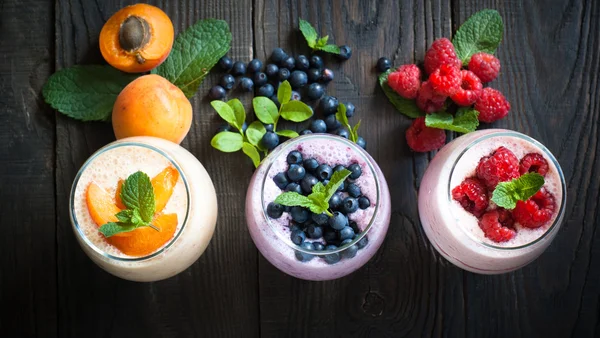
(102, 207)
(145, 240)
(163, 185)
(118, 200)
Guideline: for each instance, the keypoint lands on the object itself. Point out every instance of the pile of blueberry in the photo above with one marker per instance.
(320, 232)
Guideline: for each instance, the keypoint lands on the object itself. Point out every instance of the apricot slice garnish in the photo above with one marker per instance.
(102, 207)
(145, 240)
(163, 185)
(118, 200)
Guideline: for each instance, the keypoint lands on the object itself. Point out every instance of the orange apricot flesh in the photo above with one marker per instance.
(102, 207)
(146, 240)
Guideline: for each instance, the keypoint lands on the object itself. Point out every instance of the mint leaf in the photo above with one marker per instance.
(318, 188)
(322, 42)
(336, 180)
(113, 228)
(86, 93)
(226, 112)
(227, 141)
(251, 152)
(296, 111)
(293, 199)
(340, 115)
(465, 121)
(124, 216)
(333, 49)
(310, 34)
(137, 193)
(404, 106)
(287, 133)
(238, 111)
(194, 53)
(319, 204)
(255, 132)
(265, 109)
(136, 218)
(507, 194)
(284, 92)
(482, 32)
(354, 132)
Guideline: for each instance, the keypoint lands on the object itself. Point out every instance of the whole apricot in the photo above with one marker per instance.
(137, 38)
(152, 106)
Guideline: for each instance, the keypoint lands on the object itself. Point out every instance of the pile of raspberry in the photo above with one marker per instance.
(498, 224)
(447, 80)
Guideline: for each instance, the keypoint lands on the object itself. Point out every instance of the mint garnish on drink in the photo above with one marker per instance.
(508, 193)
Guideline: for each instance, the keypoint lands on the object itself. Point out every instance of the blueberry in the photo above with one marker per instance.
(331, 258)
(260, 79)
(275, 100)
(227, 81)
(330, 236)
(355, 170)
(320, 219)
(272, 70)
(335, 201)
(338, 221)
(316, 62)
(289, 62)
(246, 84)
(355, 227)
(349, 205)
(304, 257)
(326, 75)
(350, 251)
(346, 233)
(314, 231)
(275, 210)
(318, 126)
(225, 63)
(349, 109)
(308, 182)
(244, 126)
(345, 52)
(332, 123)
(294, 226)
(353, 190)
(297, 237)
(269, 127)
(338, 167)
(305, 132)
(217, 93)
(295, 96)
(343, 133)
(300, 214)
(363, 242)
(294, 157)
(266, 90)
(278, 55)
(302, 63)
(342, 186)
(296, 172)
(311, 164)
(383, 64)
(283, 74)
(364, 202)
(313, 75)
(225, 127)
(298, 79)
(281, 180)
(239, 68)
(318, 246)
(269, 140)
(293, 187)
(254, 66)
(329, 105)
(361, 142)
(315, 91)
(324, 172)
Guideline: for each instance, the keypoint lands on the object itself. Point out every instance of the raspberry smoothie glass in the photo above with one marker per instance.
(272, 236)
(193, 201)
(456, 233)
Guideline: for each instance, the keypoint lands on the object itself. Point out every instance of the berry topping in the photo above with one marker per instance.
(533, 162)
(446, 80)
(491, 105)
(441, 52)
(296, 172)
(471, 194)
(363, 202)
(338, 221)
(353, 190)
(355, 170)
(470, 89)
(346, 233)
(422, 138)
(294, 157)
(349, 205)
(501, 166)
(428, 100)
(485, 66)
(497, 225)
(275, 210)
(536, 211)
(406, 81)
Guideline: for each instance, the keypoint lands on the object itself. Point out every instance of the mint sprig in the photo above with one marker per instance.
(318, 200)
(313, 40)
(137, 195)
(482, 32)
(340, 115)
(507, 194)
(464, 121)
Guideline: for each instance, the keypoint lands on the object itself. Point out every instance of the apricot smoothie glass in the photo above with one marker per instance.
(186, 209)
(311, 250)
(456, 233)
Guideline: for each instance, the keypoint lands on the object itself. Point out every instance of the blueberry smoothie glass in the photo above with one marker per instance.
(314, 257)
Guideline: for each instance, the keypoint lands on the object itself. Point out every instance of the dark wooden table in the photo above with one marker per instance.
(49, 288)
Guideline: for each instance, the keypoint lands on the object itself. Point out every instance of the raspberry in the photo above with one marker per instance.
(472, 195)
(485, 66)
(422, 138)
(406, 81)
(497, 225)
(441, 52)
(446, 80)
(470, 89)
(501, 166)
(491, 105)
(536, 211)
(533, 162)
(428, 100)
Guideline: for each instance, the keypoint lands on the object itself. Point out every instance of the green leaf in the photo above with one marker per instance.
(354, 132)
(482, 32)
(507, 194)
(319, 188)
(322, 42)
(86, 93)
(296, 111)
(137, 193)
(124, 216)
(265, 109)
(251, 151)
(333, 49)
(287, 133)
(238, 111)
(294, 199)
(336, 180)
(113, 228)
(227, 142)
(284, 92)
(194, 53)
(255, 132)
(319, 203)
(465, 121)
(226, 112)
(404, 106)
(340, 115)
(310, 34)
(136, 218)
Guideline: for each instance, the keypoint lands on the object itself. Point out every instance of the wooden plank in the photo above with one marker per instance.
(215, 297)
(27, 216)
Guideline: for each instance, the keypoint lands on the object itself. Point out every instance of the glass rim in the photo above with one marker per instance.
(358, 150)
(510, 133)
(73, 217)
